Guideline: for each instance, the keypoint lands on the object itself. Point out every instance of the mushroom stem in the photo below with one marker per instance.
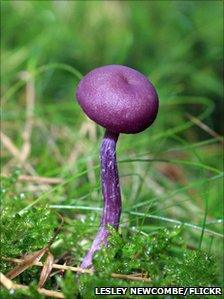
(111, 194)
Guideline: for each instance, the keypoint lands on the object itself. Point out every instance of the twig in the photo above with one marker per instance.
(9, 145)
(8, 284)
(80, 270)
(6, 141)
(204, 127)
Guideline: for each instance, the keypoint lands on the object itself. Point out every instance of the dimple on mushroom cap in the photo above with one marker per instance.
(118, 98)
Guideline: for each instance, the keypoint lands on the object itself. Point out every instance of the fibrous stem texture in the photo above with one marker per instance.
(111, 195)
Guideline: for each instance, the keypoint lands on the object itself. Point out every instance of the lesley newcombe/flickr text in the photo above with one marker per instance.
(182, 291)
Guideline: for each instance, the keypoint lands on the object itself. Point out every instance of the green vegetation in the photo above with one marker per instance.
(171, 175)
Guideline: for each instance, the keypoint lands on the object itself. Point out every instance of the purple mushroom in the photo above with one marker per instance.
(121, 100)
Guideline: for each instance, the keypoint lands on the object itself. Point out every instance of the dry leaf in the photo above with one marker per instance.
(27, 262)
(46, 270)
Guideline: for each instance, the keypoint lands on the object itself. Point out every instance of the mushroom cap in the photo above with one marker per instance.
(118, 98)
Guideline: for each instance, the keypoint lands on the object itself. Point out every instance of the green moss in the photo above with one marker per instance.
(69, 285)
(161, 255)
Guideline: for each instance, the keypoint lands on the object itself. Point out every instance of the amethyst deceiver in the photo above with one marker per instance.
(121, 100)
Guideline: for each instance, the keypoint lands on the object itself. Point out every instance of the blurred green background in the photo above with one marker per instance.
(46, 45)
(177, 43)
